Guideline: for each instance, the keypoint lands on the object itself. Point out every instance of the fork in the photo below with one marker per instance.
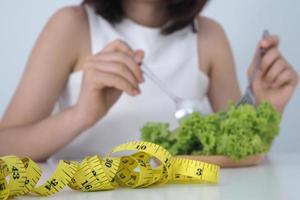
(184, 107)
(249, 97)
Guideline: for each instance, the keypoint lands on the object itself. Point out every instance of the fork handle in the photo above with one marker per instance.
(258, 62)
(159, 82)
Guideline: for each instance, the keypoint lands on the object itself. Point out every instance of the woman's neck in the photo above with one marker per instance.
(150, 13)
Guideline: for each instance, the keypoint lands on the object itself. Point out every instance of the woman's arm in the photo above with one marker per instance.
(40, 140)
(276, 79)
(26, 128)
(216, 60)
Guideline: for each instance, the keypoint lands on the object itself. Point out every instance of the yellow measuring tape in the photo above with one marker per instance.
(97, 174)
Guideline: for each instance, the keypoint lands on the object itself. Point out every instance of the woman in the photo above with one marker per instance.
(88, 58)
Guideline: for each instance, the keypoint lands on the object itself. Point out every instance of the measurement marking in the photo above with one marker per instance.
(157, 149)
(63, 182)
(66, 173)
(39, 173)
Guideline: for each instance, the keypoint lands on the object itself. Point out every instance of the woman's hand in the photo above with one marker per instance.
(276, 79)
(106, 75)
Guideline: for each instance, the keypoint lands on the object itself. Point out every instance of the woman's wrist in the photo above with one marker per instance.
(82, 119)
(77, 119)
(278, 108)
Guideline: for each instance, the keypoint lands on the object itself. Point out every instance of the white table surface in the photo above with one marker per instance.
(276, 178)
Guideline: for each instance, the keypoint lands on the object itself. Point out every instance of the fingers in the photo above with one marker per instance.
(288, 76)
(276, 71)
(125, 60)
(100, 80)
(119, 45)
(278, 67)
(139, 56)
(270, 57)
(120, 51)
(119, 60)
(119, 69)
(280, 73)
(113, 80)
(269, 42)
(270, 45)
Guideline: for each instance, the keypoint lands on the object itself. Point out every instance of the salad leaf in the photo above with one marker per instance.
(158, 133)
(239, 132)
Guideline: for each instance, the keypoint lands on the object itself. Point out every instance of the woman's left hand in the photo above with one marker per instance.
(276, 79)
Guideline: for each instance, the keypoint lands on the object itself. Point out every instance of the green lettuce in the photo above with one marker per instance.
(158, 133)
(239, 132)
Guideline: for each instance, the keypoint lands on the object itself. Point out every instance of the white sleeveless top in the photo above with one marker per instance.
(173, 58)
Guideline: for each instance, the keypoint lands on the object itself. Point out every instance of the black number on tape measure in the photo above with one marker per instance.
(125, 161)
(15, 172)
(122, 176)
(26, 165)
(67, 162)
(2, 186)
(108, 163)
(73, 180)
(199, 172)
(16, 175)
(94, 173)
(51, 184)
(141, 147)
(86, 185)
(54, 182)
(27, 181)
(133, 177)
(166, 161)
(130, 184)
(48, 187)
(141, 162)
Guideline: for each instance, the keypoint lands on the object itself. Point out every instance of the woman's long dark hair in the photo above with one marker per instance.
(181, 12)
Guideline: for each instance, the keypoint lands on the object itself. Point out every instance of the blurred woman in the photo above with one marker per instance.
(88, 59)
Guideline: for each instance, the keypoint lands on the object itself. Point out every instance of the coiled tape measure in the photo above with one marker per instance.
(97, 174)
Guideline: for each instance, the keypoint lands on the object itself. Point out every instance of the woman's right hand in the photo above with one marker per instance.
(116, 69)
